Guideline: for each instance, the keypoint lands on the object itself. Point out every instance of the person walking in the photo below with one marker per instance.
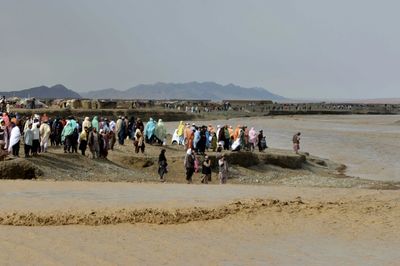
(44, 132)
(139, 141)
(296, 142)
(93, 142)
(189, 165)
(3, 135)
(260, 141)
(28, 140)
(83, 140)
(15, 136)
(253, 139)
(36, 137)
(206, 170)
(162, 165)
(103, 144)
(223, 170)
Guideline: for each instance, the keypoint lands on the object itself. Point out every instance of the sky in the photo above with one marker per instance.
(297, 49)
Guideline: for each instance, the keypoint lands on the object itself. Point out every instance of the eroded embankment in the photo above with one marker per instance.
(356, 210)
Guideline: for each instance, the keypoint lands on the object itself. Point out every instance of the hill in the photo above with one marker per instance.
(191, 90)
(43, 92)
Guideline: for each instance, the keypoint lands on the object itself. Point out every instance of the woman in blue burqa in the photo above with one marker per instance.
(149, 131)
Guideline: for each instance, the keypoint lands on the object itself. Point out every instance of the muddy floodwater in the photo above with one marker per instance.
(52, 223)
(369, 145)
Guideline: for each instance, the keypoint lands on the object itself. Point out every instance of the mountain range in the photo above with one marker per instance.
(189, 91)
(157, 91)
(43, 92)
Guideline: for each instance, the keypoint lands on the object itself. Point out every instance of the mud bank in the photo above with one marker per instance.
(278, 158)
(18, 169)
(243, 159)
(274, 166)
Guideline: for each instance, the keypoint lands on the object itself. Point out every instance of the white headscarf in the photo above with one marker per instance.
(14, 137)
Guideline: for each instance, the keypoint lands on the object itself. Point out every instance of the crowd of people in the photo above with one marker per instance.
(198, 140)
(100, 135)
(202, 138)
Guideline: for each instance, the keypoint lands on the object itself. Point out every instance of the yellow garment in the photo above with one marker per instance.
(83, 135)
(181, 128)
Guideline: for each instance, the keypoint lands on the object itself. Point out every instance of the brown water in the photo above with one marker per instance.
(369, 145)
(330, 227)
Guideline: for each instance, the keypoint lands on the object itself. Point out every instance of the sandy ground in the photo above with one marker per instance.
(224, 225)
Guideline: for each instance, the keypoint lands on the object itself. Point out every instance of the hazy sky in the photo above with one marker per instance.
(307, 48)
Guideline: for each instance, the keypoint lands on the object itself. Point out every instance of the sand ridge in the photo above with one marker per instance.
(364, 209)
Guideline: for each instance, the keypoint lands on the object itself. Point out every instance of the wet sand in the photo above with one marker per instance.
(322, 227)
(369, 145)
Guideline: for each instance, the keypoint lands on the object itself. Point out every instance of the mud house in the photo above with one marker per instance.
(248, 105)
(104, 104)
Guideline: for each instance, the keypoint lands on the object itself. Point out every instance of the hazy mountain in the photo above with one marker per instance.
(191, 90)
(43, 92)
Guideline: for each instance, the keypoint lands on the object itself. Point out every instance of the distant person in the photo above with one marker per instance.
(139, 141)
(253, 139)
(87, 123)
(121, 130)
(189, 165)
(93, 142)
(161, 132)
(223, 170)
(95, 123)
(15, 136)
(68, 134)
(181, 132)
(28, 140)
(261, 142)
(112, 138)
(57, 129)
(44, 131)
(103, 144)
(36, 137)
(296, 142)
(3, 104)
(83, 140)
(3, 135)
(33, 104)
(139, 125)
(213, 141)
(162, 165)
(206, 170)
(149, 131)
